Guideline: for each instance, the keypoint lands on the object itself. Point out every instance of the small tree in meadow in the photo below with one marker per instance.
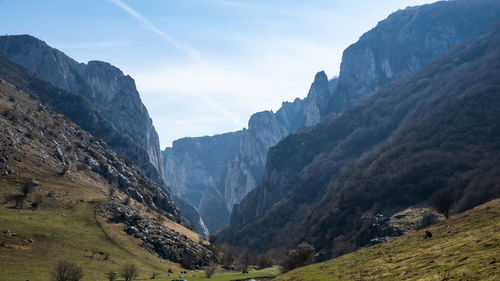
(130, 272)
(442, 201)
(66, 271)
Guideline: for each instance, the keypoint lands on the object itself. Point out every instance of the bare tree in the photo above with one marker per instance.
(264, 261)
(27, 188)
(442, 201)
(245, 260)
(130, 272)
(66, 271)
(18, 199)
(210, 270)
(229, 254)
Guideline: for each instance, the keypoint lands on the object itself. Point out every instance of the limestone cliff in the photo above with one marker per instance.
(111, 92)
(214, 173)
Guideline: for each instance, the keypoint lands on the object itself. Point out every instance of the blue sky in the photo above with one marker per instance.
(203, 67)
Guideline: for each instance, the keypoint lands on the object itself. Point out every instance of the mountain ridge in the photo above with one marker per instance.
(320, 182)
(112, 93)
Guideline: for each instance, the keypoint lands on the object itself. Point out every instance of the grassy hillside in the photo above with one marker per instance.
(66, 228)
(45, 150)
(465, 247)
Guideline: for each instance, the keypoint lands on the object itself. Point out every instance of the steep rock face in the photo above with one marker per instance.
(434, 130)
(404, 42)
(191, 215)
(35, 126)
(113, 94)
(194, 169)
(214, 173)
(78, 109)
(398, 46)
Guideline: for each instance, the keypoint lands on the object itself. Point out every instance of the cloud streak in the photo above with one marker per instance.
(90, 45)
(147, 24)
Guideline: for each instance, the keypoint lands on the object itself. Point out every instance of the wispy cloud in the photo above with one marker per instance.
(222, 94)
(146, 23)
(89, 45)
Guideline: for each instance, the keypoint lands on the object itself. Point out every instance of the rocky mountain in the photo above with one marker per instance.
(406, 41)
(214, 173)
(395, 48)
(436, 130)
(74, 171)
(30, 123)
(112, 93)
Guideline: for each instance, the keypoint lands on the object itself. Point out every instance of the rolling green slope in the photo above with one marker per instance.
(465, 247)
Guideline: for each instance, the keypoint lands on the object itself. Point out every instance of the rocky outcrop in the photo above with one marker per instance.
(404, 42)
(214, 173)
(112, 93)
(156, 236)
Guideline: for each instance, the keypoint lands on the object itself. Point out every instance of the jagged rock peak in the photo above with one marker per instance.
(404, 42)
(112, 93)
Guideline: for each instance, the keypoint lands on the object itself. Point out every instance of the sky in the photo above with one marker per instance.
(203, 67)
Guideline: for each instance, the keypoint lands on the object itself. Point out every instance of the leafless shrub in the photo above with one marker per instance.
(245, 260)
(67, 271)
(18, 199)
(129, 272)
(27, 188)
(210, 270)
(427, 219)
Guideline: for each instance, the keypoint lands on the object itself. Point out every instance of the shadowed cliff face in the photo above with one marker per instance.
(430, 131)
(404, 42)
(214, 173)
(57, 123)
(113, 94)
